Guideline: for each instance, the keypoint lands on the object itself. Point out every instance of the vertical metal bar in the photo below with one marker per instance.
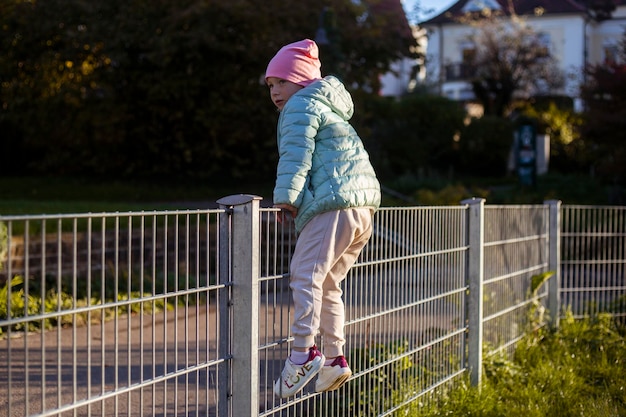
(186, 310)
(26, 306)
(116, 315)
(59, 289)
(574, 255)
(475, 255)
(608, 266)
(42, 311)
(588, 246)
(165, 310)
(223, 313)
(153, 292)
(619, 260)
(245, 272)
(574, 241)
(74, 323)
(208, 323)
(89, 298)
(103, 363)
(9, 263)
(129, 292)
(142, 237)
(606, 244)
(197, 286)
(176, 267)
(554, 261)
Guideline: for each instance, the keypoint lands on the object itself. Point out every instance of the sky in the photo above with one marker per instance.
(437, 5)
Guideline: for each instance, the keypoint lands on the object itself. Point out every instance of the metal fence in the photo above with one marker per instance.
(593, 257)
(187, 313)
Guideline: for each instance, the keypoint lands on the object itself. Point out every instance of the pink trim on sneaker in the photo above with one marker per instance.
(333, 376)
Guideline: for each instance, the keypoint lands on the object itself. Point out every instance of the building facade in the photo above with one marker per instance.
(576, 33)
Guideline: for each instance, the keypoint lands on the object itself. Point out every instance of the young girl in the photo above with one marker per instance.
(326, 182)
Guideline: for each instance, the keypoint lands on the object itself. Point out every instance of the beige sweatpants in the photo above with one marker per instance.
(326, 249)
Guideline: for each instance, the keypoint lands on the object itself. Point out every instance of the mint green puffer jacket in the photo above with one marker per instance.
(323, 165)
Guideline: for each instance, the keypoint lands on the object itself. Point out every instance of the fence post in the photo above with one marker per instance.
(475, 235)
(244, 232)
(554, 261)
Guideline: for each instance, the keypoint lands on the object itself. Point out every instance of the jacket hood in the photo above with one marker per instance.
(330, 91)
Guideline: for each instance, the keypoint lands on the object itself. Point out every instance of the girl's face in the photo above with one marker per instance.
(281, 90)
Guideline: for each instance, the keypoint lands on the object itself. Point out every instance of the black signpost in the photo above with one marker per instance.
(526, 152)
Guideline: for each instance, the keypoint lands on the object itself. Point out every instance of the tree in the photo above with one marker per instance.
(604, 124)
(381, 31)
(484, 146)
(163, 88)
(510, 61)
(604, 120)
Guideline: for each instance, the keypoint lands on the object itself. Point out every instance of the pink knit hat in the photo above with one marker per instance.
(297, 62)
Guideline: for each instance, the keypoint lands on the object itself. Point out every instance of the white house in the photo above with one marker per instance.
(576, 32)
(402, 75)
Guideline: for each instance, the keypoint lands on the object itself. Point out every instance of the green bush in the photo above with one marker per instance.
(17, 300)
(412, 135)
(484, 147)
(449, 195)
(569, 152)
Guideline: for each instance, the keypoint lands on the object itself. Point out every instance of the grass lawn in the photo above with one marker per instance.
(31, 195)
(51, 195)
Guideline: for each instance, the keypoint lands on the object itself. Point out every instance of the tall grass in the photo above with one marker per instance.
(578, 370)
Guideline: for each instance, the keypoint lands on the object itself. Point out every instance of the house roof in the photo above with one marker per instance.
(520, 7)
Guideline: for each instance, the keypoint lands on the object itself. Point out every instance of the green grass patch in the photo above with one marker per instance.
(22, 207)
(579, 370)
(123, 295)
(53, 195)
(77, 189)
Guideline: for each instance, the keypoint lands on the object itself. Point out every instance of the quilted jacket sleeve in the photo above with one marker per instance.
(297, 129)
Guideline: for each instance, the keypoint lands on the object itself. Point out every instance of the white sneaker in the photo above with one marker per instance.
(295, 377)
(333, 376)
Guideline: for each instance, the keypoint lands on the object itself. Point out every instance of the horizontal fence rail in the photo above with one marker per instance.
(188, 312)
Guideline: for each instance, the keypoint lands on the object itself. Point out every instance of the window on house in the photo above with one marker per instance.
(479, 5)
(462, 69)
(468, 53)
(544, 44)
(468, 57)
(610, 52)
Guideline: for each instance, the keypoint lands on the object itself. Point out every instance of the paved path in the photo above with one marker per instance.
(67, 365)
(112, 361)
